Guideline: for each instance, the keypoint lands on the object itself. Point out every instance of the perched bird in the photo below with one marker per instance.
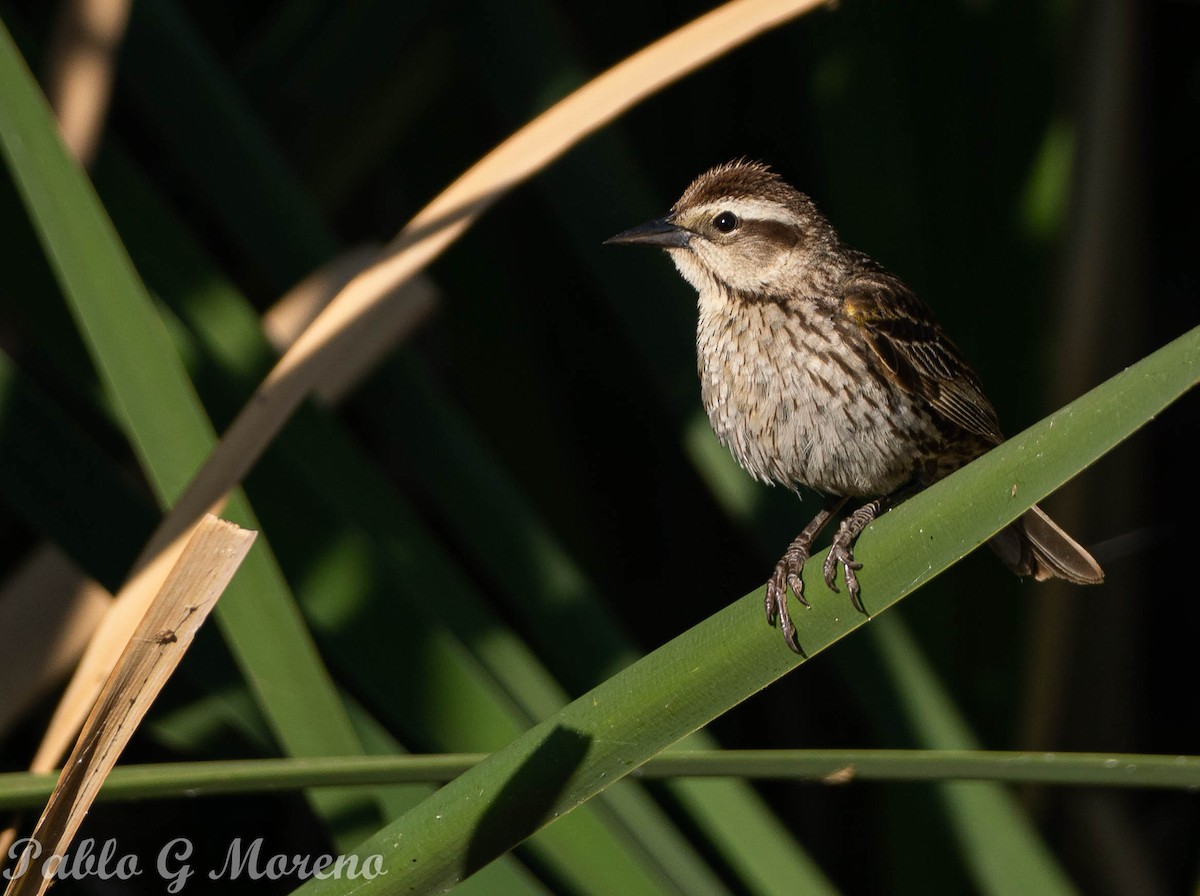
(820, 368)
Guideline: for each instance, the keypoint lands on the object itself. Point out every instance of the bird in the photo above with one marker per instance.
(820, 368)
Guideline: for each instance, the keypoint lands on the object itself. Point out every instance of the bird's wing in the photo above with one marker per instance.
(915, 352)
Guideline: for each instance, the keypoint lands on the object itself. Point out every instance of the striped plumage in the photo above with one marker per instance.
(820, 368)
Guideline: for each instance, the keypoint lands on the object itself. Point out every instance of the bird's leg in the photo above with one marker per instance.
(842, 549)
(787, 573)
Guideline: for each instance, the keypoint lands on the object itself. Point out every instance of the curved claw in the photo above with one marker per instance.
(842, 553)
(852, 587)
(830, 571)
(797, 585)
(786, 575)
(789, 633)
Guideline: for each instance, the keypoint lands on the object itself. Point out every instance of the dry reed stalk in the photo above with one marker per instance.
(103, 652)
(82, 58)
(48, 612)
(206, 563)
(399, 313)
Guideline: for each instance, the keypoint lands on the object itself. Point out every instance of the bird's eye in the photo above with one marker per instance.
(726, 222)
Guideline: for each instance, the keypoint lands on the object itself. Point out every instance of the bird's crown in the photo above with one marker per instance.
(739, 179)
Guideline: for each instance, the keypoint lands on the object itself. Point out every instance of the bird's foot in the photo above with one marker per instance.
(787, 575)
(842, 551)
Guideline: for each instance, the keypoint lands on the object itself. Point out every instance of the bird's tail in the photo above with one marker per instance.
(1035, 546)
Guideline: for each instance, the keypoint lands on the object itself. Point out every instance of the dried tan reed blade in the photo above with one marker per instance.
(284, 321)
(82, 57)
(48, 612)
(109, 640)
(206, 564)
(399, 313)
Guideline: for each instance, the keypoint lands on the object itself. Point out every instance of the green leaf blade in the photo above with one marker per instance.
(616, 727)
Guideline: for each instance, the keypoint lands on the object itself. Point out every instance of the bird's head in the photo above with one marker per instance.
(740, 226)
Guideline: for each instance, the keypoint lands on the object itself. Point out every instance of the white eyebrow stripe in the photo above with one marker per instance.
(751, 210)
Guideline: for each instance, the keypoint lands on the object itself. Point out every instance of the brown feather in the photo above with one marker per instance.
(915, 352)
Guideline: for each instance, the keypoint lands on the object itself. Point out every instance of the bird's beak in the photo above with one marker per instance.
(659, 232)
